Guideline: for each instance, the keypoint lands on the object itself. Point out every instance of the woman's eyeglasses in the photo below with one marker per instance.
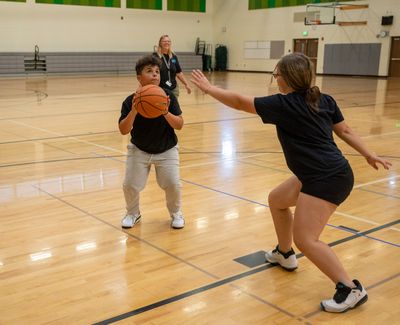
(275, 74)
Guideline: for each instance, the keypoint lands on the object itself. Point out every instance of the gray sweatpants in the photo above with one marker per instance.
(138, 165)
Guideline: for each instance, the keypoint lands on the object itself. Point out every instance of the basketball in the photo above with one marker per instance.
(151, 101)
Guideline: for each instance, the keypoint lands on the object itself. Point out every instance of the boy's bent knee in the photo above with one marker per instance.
(171, 187)
(132, 187)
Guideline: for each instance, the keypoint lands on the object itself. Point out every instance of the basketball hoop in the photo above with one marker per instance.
(315, 22)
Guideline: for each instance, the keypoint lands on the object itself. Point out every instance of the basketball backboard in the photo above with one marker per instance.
(320, 14)
(325, 14)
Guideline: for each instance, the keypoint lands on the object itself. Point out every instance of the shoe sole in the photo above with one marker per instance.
(289, 269)
(136, 221)
(177, 227)
(363, 300)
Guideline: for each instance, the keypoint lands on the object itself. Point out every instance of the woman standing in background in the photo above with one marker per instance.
(170, 68)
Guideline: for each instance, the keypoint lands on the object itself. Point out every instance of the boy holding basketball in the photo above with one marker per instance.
(153, 141)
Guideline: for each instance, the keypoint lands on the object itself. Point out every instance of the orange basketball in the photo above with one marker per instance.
(151, 101)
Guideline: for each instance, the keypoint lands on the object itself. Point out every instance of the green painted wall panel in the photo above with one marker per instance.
(144, 4)
(187, 5)
(93, 3)
(264, 4)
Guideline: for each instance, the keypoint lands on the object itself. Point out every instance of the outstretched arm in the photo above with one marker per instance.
(343, 131)
(229, 98)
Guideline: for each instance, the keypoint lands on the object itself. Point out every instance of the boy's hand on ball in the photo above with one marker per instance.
(133, 109)
(167, 106)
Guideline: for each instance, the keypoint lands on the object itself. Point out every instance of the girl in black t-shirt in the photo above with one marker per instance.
(304, 119)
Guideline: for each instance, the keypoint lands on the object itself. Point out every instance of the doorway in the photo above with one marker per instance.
(394, 66)
(309, 47)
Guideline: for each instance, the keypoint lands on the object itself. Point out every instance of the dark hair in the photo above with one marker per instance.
(298, 72)
(146, 60)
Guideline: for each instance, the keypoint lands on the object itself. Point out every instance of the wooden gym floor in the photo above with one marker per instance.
(65, 260)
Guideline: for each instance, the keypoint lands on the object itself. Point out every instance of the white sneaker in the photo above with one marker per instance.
(345, 298)
(178, 222)
(129, 220)
(286, 260)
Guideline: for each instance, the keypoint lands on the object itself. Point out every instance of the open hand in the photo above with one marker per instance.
(374, 160)
(200, 81)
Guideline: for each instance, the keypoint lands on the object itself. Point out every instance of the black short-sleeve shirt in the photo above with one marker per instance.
(152, 135)
(169, 68)
(305, 135)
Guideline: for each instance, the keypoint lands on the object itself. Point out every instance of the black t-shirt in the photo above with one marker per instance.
(306, 136)
(152, 135)
(169, 68)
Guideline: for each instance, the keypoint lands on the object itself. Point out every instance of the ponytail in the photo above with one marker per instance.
(298, 72)
(312, 98)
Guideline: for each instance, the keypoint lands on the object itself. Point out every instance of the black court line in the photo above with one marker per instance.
(226, 280)
(104, 156)
(223, 120)
(379, 193)
(56, 160)
(225, 193)
(58, 137)
(52, 115)
(348, 228)
(183, 295)
(173, 256)
(97, 133)
(353, 105)
(383, 281)
(265, 205)
(212, 285)
(365, 233)
(127, 233)
(216, 284)
(239, 159)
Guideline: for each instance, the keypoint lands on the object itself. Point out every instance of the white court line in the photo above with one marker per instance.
(380, 135)
(68, 137)
(357, 218)
(220, 160)
(377, 181)
(371, 136)
(363, 220)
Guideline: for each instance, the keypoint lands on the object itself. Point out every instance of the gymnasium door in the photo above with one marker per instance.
(394, 68)
(307, 46)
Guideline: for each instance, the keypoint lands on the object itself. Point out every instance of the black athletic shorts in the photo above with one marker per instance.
(334, 189)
